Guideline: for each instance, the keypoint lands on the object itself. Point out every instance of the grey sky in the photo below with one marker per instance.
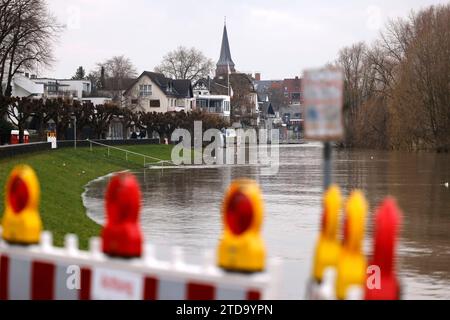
(277, 38)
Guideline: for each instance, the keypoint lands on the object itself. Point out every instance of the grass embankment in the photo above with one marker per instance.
(63, 173)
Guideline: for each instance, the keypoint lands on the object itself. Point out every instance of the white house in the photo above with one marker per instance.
(23, 87)
(56, 88)
(211, 103)
(153, 92)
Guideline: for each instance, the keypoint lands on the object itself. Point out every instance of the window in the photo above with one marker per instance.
(287, 118)
(155, 104)
(134, 101)
(52, 87)
(145, 90)
(296, 96)
(169, 87)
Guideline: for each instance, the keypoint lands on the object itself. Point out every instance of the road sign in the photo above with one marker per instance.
(323, 101)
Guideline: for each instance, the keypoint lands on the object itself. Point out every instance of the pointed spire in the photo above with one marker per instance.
(225, 60)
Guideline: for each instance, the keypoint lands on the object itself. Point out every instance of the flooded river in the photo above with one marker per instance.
(182, 208)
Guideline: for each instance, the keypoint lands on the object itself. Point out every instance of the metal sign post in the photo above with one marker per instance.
(327, 165)
(323, 103)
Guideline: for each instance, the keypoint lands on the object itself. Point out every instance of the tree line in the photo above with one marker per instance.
(397, 90)
(25, 112)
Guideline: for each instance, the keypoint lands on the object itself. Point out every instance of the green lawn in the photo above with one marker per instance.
(63, 173)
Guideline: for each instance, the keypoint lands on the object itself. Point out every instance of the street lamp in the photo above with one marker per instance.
(74, 118)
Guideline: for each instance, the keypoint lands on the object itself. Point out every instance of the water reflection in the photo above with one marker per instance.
(182, 207)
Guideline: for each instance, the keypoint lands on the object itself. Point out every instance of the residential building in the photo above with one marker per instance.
(153, 92)
(292, 90)
(211, 103)
(23, 87)
(269, 92)
(64, 88)
(292, 116)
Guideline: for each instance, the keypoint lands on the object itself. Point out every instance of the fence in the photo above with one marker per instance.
(85, 143)
(45, 272)
(14, 150)
(119, 265)
(147, 160)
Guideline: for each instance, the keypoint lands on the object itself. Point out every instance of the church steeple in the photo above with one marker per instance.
(225, 59)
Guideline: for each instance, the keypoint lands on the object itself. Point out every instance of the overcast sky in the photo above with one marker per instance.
(278, 38)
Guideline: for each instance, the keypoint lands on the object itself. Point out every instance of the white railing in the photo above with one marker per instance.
(146, 158)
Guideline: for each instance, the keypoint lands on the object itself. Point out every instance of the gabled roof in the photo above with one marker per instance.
(183, 88)
(270, 110)
(175, 88)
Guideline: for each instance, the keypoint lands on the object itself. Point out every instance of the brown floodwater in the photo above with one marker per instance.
(182, 208)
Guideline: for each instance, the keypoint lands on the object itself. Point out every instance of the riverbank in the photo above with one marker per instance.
(63, 173)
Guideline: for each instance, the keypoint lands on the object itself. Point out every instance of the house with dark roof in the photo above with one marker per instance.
(154, 92)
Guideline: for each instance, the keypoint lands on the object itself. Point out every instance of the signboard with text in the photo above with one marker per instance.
(323, 102)
(116, 285)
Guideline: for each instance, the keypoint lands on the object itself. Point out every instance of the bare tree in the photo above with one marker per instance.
(101, 118)
(19, 112)
(119, 67)
(397, 92)
(184, 63)
(359, 84)
(114, 75)
(27, 32)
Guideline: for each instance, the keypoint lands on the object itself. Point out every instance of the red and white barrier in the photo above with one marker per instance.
(45, 272)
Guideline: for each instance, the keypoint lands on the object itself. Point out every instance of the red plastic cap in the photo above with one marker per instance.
(239, 214)
(122, 236)
(123, 199)
(387, 223)
(18, 195)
